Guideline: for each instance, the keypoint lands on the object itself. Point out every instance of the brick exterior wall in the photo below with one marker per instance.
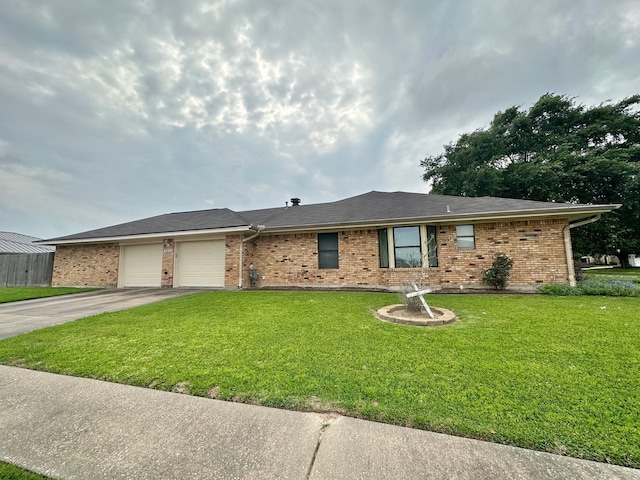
(86, 265)
(167, 263)
(291, 260)
(232, 259)
(536, 246)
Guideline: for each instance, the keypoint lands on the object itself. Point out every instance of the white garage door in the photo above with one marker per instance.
(200, 264)
(141, 265)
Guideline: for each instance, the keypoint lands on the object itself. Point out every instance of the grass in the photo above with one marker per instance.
(14, 294)
(612, 282)
(626, 274)
(634, 271)
(11, 472)
(557, 374)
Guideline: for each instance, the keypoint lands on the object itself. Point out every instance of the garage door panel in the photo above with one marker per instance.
(141, 265)
(200, 264)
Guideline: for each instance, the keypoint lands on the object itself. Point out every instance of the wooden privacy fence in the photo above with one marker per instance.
(26, 269)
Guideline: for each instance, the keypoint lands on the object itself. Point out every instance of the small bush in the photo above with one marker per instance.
(497, 275)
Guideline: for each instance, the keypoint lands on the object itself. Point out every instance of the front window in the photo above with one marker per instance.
(432, 246)
(328, 250)
(466, 238)
(383, 248)
(406, 241)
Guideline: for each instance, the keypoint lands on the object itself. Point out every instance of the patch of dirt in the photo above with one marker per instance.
(213, 393)
(18, 362)
(182, 387)
(318, 406)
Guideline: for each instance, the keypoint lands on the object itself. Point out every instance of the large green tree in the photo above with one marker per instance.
(557, 150)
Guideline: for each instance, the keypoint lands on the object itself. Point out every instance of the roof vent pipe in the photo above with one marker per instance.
(448, 209)
(295, 202)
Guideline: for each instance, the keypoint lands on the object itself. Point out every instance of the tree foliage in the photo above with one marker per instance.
(557, 151)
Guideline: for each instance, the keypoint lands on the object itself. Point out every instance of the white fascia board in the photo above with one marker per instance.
(568, 212)
(151, 236)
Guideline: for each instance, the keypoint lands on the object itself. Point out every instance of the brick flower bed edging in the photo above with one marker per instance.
(397, 314)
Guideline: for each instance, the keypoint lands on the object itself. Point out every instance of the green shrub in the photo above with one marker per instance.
(560, 290)
(497, 275)
(603, 287)
(612, 288)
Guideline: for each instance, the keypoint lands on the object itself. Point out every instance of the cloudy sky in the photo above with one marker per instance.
(112, 111)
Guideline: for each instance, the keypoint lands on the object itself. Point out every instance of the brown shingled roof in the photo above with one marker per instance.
(381, 208)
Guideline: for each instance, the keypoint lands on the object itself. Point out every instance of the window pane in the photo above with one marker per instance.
(408, 257)
(328, 259)
(327, 241)
(406, 236)
(465, 236)
(432, 246)
(466, 243)
(383, 247)
(328, 250)
(464, 230)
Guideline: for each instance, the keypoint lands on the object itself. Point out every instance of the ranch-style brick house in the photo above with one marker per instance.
(375, 240)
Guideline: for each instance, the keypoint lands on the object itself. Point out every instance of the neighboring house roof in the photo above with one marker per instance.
(373, 208)
(11, 242)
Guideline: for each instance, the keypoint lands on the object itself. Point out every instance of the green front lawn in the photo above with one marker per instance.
(635, 271)
(548, 373)
(14, 294)
(11, 472)
(628, 274)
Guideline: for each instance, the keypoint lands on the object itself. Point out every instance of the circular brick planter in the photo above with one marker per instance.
(397, 314)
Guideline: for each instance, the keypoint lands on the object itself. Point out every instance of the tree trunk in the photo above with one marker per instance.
(624, 259)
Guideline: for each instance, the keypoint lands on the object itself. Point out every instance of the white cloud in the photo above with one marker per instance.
(132, 108)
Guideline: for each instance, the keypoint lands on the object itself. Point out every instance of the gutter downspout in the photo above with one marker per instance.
(567, 245)
(240, 272)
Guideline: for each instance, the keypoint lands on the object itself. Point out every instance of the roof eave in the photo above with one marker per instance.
(571, 213)
(147, 236)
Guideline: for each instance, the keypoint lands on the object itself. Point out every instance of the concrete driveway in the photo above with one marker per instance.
(28, 315)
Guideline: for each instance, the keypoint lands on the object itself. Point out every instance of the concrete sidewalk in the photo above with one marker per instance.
(75, 428)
